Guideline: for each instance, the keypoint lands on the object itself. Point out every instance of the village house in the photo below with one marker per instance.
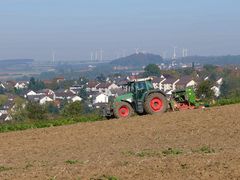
(59, 79)
(106, 87)
(5, 117)
(21, 85)
(169, 84)
(216, 90)
(2, 85)
(158, 82)
(30, 93)
(45, 100)
(100, 98)
(76, 98)
(91, 86)
(186, 81)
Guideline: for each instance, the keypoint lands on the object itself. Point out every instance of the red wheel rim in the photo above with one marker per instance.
(123, 111)
(156, 104)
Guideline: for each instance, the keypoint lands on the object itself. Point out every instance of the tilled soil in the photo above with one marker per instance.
(197, 144)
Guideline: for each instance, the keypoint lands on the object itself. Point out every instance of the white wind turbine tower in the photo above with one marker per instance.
(174, 53)
(91, 55)
(101, 55)
(53, 57)
(186, 52)
(96, 55)
(183, 52)
(164, 53)
(137, 50)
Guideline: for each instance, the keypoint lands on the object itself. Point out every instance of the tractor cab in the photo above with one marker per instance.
(140, 86)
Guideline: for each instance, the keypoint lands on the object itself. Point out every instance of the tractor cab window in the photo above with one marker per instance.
(149, 85)
(131, 87)
(141, 86)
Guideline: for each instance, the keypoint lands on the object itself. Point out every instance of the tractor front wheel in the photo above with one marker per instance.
(123, 110)
(155, 103)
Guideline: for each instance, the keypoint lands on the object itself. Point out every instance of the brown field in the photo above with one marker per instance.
(198, 144)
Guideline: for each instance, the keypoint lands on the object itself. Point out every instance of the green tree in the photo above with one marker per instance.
(82, 80)
(73, 109)
(101, 78)
(83, 93)
(35, 84)
(3, 99)
(2, 90)
(225, 89)
(152, 70)
(204, 90)
(35, 111)
(209, 67)
(52, 109)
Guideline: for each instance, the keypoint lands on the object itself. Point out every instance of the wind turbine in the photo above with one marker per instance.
(91, 55)
(174, 53)
(101, 55)
(137, 50)
(53, 57)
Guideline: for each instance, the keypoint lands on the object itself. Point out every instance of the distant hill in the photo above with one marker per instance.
(217, 60)
(138, 60)
(10, 62)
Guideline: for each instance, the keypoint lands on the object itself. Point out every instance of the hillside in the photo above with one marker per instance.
(138, 60)
(197, 144)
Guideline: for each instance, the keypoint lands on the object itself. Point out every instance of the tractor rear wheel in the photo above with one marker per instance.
(123, 110)
(155, 103)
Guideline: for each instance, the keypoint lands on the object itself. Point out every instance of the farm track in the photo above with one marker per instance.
(197, 144)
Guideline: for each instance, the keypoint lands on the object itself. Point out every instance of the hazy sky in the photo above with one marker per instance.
(75, 28)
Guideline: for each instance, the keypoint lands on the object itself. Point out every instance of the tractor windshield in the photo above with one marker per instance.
(141, 85)
(149, 85)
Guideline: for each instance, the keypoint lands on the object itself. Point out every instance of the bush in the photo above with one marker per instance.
(35, 111)
(73, 109)
(18, 126)
(225, 101)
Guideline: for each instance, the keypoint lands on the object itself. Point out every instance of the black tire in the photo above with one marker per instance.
(155, 103)
(123, 110)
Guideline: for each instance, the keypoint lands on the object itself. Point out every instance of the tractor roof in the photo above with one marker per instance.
(142, 79)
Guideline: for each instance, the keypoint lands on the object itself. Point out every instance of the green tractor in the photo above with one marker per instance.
(141, 97)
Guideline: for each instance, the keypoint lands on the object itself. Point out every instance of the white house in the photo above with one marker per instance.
(31, 93)
(169, 84)
(47, 92)
(70, 91)
(158, 83)
(45, 100)
(2, 85)
(219, 81)
(186, 82)
(100, 98)
(106, 88)
(21, 85)
(216, 91)
(91, 86)
(5, 117)
(76, 98)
